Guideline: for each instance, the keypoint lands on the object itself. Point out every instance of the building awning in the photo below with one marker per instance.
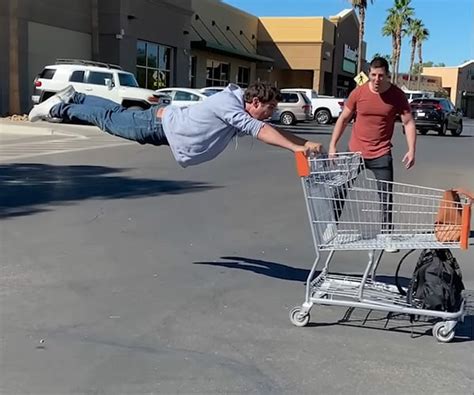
(221, 49)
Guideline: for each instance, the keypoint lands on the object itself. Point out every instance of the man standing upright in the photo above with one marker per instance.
(376, 105)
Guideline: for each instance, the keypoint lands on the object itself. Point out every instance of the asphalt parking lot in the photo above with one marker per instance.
(124, 274)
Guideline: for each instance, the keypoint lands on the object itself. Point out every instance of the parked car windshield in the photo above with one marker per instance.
(185, 96)
(414, 96)
(425, 101)
(210, 92)
(127, 80)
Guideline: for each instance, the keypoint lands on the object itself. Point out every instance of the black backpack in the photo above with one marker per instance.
(436, 283)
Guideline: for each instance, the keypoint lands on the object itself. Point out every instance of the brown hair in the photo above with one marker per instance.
(378, 63)
(263, 91)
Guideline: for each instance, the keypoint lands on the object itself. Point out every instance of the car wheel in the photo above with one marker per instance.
(458, 130)
(287, 118)
(322, 116)
(442, 130)
(423, 131)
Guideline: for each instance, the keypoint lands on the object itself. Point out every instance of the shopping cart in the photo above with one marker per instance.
(350, 211)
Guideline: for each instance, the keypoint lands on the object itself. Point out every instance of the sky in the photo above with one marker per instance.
(450, 23)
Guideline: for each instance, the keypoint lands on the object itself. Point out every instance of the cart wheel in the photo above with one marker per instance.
(297, 319)
(440, 334)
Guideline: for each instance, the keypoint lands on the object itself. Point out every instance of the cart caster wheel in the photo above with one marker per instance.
(440, 334)
(297, 319)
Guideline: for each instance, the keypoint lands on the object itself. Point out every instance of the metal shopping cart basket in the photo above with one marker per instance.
(350, 211)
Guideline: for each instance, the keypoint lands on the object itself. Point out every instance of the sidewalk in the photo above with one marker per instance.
(9, 127)
(21, 140)
(468, 121)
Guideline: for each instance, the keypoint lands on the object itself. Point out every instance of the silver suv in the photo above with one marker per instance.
(95, 78)
(294, 107)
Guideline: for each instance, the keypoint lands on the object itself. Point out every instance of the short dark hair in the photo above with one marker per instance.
(379, 62)
(263, 91)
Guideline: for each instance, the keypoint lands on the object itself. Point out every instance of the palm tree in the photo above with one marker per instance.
(361, 6)
(389, 29)
(413, 28)
(422, 35)
(418, 32)
(396, 22)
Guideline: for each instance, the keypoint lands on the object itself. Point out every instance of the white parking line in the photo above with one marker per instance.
(53, 145)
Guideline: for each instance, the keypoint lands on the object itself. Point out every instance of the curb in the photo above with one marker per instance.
(23, 129)
(42, 128)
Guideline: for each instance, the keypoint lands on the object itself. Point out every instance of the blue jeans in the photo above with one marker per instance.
(142, 126)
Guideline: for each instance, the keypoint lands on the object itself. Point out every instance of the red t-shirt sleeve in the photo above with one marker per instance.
(351, 102)
(402, 103)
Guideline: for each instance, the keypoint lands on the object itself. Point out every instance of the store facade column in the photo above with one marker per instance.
(316, 80)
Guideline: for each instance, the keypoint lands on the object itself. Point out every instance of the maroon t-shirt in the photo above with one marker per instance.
(373, 129)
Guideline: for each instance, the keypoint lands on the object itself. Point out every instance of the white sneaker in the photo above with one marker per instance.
(42, 110)
(391, 250)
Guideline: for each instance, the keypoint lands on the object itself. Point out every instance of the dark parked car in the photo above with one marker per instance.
(436, 114)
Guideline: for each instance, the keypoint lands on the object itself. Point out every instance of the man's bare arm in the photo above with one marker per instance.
(270, 135)
(410, 134)
(339, 128)
(290, 136)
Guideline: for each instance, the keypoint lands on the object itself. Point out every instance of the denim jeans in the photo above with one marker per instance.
(383, 171)
(142, 126)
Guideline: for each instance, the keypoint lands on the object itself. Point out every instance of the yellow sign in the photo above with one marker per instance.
(361, 78)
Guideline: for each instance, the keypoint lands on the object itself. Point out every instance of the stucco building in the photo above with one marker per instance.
(144, 37)
(458, 82)
(311, 52)
(223, 45)
(190, 43)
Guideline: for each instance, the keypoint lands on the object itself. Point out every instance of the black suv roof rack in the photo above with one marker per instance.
(88, 63)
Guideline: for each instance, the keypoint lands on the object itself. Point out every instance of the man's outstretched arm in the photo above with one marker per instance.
(269, 135)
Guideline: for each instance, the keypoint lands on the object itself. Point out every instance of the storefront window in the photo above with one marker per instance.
(348, 66)
(154, 64)
(141, 53)
(192, 71)
(217, 73)
(165, 58)
(243, 76)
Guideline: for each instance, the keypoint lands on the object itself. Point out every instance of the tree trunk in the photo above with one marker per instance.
(14, 79)
(412, 61)
(394, 51)
(361, 38)
(399, 50)
(420, 60)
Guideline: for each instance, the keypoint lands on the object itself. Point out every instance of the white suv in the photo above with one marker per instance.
(294, 107)
(95, 78)
(325, 108)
